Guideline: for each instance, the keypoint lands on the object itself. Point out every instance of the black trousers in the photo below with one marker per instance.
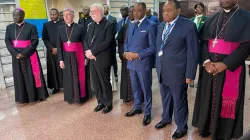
(115, 65)
(101, 83)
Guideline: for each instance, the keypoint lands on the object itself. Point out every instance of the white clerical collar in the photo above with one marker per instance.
(132, 21)
(70, 24)
(227, 11)
(173, 21)
(19, 24)
(56, 21)
(199, 15)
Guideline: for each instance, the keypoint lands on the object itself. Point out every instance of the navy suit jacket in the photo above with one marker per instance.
(180, 53)
(143, 43)
(154, 19)
(119, 24)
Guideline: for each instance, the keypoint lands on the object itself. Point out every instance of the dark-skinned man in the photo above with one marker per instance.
(125, 85)
(176, 64)
(61, 15)
(125, 19)
(21, 39)
(86, 19)
(114, 22)
(139, 47)
(54, 72)
(219, 104)
(152, 17)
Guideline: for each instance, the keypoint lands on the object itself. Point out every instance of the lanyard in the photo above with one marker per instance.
(168, 30)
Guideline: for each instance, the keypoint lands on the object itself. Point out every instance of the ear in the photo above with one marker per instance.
(179, 10)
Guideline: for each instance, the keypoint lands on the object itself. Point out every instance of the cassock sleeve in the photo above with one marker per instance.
(28, 51)
(192, 52)
(106, 43)
(152, 32)
(238, 57)
(83, 37)
(45, 37)
(8, 43)
(59, 46)
(85, 44)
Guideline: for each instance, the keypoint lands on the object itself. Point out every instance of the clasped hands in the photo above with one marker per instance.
(89, 55)
(19, 55)
(130, 56)
(215, 68)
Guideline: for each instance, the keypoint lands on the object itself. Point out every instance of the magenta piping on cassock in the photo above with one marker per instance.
(33, 60)
(78, 49)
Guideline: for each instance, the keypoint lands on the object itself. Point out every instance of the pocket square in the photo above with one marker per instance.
(144, 31)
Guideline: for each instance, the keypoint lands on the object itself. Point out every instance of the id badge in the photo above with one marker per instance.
(160, 53)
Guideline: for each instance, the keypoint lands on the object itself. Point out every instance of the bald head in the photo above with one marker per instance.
(86, 11)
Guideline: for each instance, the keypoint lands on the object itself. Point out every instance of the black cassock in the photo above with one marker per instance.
(54, 72)
(28, 76)
(125, 87)
(71, 83)
(212, 108)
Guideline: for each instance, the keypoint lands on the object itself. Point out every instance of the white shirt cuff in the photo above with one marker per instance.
(206, 61)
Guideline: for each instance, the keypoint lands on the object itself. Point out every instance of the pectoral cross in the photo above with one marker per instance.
(15, 42)
(214, 42)
(68, 42)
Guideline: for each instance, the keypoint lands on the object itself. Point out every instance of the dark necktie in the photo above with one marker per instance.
(136, 26)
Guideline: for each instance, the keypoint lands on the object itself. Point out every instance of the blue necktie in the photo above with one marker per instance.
(136, 26)
(166, 34)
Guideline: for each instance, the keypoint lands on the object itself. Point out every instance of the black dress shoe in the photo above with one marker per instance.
(107, 109)
(133, 112)
(55, 91)
(179, 134)
(126, 100)
(161, 124)
(99, 108)
(204, 135)
(146, 120)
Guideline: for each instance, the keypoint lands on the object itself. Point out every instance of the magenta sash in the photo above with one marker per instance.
(230, 91)
(78, 49)
(33, 60)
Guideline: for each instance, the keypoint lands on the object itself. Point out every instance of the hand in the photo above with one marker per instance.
(54, 51)
(62, 65)
(220, 67)
(188, 81)
(132, 56)
(88, 53)
(19, 55)
(210, 68)
(127, 56)
(92, 57)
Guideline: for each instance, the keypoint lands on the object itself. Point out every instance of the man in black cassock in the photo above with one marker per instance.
(220, 95)
(86, 19)
(54, 72)
(99, 51)
(21, 39)
(71, 56)
(125, 85)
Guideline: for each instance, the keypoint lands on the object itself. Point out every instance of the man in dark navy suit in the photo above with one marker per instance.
(138, 49)
(176, 63)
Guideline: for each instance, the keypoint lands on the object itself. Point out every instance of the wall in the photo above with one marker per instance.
(75, 4)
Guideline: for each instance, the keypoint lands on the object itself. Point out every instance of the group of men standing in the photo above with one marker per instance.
(77, 53)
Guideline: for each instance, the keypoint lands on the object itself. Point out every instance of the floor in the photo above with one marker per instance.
(55, 119)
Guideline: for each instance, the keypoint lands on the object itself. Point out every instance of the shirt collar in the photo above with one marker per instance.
(141, 20)
(173, 21)
(19, 24)
(199, 15)
(227, 11)
(56, 21)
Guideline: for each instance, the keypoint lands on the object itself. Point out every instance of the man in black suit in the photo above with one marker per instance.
(114, 21)
(99, 51)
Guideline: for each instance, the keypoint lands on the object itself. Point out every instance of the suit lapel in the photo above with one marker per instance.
(137, 31)
(174, 30)
(161, 29)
